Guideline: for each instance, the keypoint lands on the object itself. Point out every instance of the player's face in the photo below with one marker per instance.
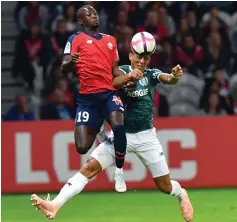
(89, 17)
(139, 62)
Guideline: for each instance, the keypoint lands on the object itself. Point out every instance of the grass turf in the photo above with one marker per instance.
(211, 205)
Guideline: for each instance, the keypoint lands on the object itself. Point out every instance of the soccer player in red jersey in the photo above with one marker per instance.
(94, 58)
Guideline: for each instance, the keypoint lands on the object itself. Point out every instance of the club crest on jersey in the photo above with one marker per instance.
(143, 81)
(110, 46)
(117, 100)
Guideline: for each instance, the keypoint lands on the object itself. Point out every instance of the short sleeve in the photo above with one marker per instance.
(70, 47)
(155, 76)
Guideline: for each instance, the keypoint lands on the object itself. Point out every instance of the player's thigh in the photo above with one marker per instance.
(113, 109)
(152, 156)
(90, 116)
(104, 154)
(87, 124)
(84, 138)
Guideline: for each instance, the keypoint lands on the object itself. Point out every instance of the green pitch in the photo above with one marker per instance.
(214, 205)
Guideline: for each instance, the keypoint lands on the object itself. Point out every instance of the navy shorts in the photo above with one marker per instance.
(93, 109)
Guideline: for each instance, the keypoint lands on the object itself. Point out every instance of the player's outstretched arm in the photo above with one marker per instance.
(172, 78)
(68, 63)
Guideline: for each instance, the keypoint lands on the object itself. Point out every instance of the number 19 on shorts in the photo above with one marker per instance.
(82, 116)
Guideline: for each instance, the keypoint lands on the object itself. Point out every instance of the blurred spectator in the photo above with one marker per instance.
(214, 26)
(215, 13)
(60, 36)
(124, 49)
(193, 25)
(166, 20)
(159, 31)
(57, 109)
(219, 85)
(20, 111)
(215, 54)
(33, 12)
(160, 106)
(62, 85)
(165, 59)
(189, 54)
(182, 30)
(52, 79)
(69, 15)
(32, 47)
(214, 106)
(122, 21)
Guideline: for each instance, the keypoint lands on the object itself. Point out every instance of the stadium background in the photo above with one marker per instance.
(195, 120)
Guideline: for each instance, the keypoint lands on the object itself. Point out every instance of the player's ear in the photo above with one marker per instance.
(130, 56)
(80, 22)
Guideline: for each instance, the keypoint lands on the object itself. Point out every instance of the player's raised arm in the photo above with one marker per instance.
(172, 78)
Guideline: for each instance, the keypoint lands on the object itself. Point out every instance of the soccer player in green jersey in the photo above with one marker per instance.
(141, 140)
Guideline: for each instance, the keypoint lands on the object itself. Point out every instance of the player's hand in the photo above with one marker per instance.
(130, 83)
(177, 71)
(75, 58)
(136, 74)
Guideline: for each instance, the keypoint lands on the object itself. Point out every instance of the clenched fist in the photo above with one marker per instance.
(177, 71)
(136, 74)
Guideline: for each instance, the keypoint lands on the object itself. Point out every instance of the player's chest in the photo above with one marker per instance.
(90, 47)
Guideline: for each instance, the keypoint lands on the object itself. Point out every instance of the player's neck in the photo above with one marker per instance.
(93, 31)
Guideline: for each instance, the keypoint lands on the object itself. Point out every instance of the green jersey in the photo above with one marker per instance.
(139, 100)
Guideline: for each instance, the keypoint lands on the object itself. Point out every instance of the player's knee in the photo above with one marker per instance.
(165, 187)
(82, 148)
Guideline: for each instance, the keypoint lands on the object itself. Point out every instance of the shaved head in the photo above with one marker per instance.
(87, 16)
(82, 10)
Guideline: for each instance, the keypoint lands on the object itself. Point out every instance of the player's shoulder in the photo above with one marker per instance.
(108, 36)
(125, 68)
(74, 36)
(153, 73)
(154, 70)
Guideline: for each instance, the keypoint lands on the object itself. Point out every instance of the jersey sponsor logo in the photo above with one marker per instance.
(110, 46)
(89, 41)
(137, 93)
(67, 48)
(117, 100)
(143, 81)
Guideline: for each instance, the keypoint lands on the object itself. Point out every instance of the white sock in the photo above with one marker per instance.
(176, 189)
(118, 171)
(73, 186)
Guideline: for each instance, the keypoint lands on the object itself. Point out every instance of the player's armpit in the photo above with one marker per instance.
(67, 64)
(116, 70)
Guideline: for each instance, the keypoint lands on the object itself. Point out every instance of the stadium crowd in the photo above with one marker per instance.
(200, 36)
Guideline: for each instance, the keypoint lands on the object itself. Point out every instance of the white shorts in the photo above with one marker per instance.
(144, 144)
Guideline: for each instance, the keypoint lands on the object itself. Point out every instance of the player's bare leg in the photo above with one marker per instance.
(173, 188)
(116, 120)
(73, 186)
(84, 138)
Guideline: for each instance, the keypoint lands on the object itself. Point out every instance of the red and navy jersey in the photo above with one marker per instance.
(97, 55)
